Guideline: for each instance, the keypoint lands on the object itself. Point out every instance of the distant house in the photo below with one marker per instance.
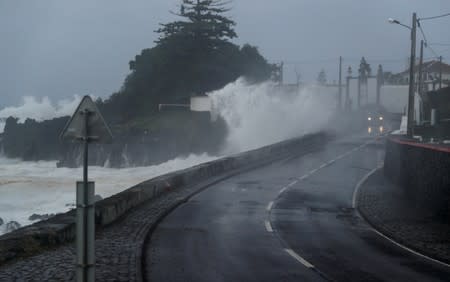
(430, 70)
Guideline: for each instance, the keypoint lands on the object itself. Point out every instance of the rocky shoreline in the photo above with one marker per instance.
(138, 143)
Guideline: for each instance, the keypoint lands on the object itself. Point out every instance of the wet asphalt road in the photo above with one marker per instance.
(290, 221)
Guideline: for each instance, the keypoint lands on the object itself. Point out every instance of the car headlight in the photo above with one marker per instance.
(369, 118)
(381, 118)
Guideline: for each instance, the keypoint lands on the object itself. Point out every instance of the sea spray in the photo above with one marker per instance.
(262, 114)
(256, 115)
(39, 109)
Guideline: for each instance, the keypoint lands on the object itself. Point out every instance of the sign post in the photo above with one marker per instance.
(86, 125)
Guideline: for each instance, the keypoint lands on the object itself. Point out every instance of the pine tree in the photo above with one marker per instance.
(203, 25)
(192, 56)
(322, 77)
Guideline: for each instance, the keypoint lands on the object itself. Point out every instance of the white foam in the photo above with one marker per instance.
(39, 109)
(256, 115)
(262, 114)
(40, 187)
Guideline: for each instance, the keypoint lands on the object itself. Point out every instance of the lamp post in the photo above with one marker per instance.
(339, 105)
(410, 121)
(347, 90)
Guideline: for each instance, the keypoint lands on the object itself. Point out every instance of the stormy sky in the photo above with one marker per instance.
(58, 48)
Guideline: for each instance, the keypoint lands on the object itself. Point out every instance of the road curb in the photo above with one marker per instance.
(380, 232)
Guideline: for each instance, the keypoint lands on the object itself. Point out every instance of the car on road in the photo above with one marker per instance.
(374, 119)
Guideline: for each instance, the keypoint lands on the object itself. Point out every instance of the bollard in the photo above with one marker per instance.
(433, 119)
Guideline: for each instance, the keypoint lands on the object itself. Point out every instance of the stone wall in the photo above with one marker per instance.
(423, 171)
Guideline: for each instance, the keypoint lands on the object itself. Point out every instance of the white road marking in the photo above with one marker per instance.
(299, 258)
(304, 177)
(358, 185)
(268, 226)
(317, 169)
(269, 206)
(410, 250)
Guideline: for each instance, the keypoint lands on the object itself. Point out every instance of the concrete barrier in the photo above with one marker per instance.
(423, 171)
(60, 229)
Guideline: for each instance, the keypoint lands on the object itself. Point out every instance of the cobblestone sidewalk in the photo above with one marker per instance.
(118, 248)
(385, 206)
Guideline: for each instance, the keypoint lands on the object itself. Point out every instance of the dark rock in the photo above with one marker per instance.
(1, 221)
(12, 225)
(134, 145)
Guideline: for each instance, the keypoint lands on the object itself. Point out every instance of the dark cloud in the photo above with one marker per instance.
(60, 48)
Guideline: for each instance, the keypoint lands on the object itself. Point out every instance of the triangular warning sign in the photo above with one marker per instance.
(97, 129)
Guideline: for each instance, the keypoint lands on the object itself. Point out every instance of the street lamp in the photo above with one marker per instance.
(409, 128)
(392, 21)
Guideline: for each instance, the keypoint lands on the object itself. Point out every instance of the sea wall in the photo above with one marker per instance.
(61, 228)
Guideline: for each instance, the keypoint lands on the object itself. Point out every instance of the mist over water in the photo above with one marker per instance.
(256, 115)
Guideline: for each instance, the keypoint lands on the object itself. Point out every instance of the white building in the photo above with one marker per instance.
(430, 71)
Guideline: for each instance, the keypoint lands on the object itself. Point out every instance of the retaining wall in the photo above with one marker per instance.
(61, 228)
(423, 171)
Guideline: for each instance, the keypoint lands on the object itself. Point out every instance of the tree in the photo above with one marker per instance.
(364, 70)
(192, 56)
(298, 76)
(203, 24)
(322, 77)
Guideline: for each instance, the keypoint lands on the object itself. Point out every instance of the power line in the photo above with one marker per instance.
(345, 59)
(439, 44)
(426, 41)
(349, 60)
(425, 38)
(421, 30)
(444, 51)
(435, 17)
(432, 51)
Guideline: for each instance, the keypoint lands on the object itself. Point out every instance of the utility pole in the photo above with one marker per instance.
(281, 72)
(340, 84)
(420, 86)
(410, 124)
(440, 72)
(359, 91)
(347, 90)
(380, 81)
